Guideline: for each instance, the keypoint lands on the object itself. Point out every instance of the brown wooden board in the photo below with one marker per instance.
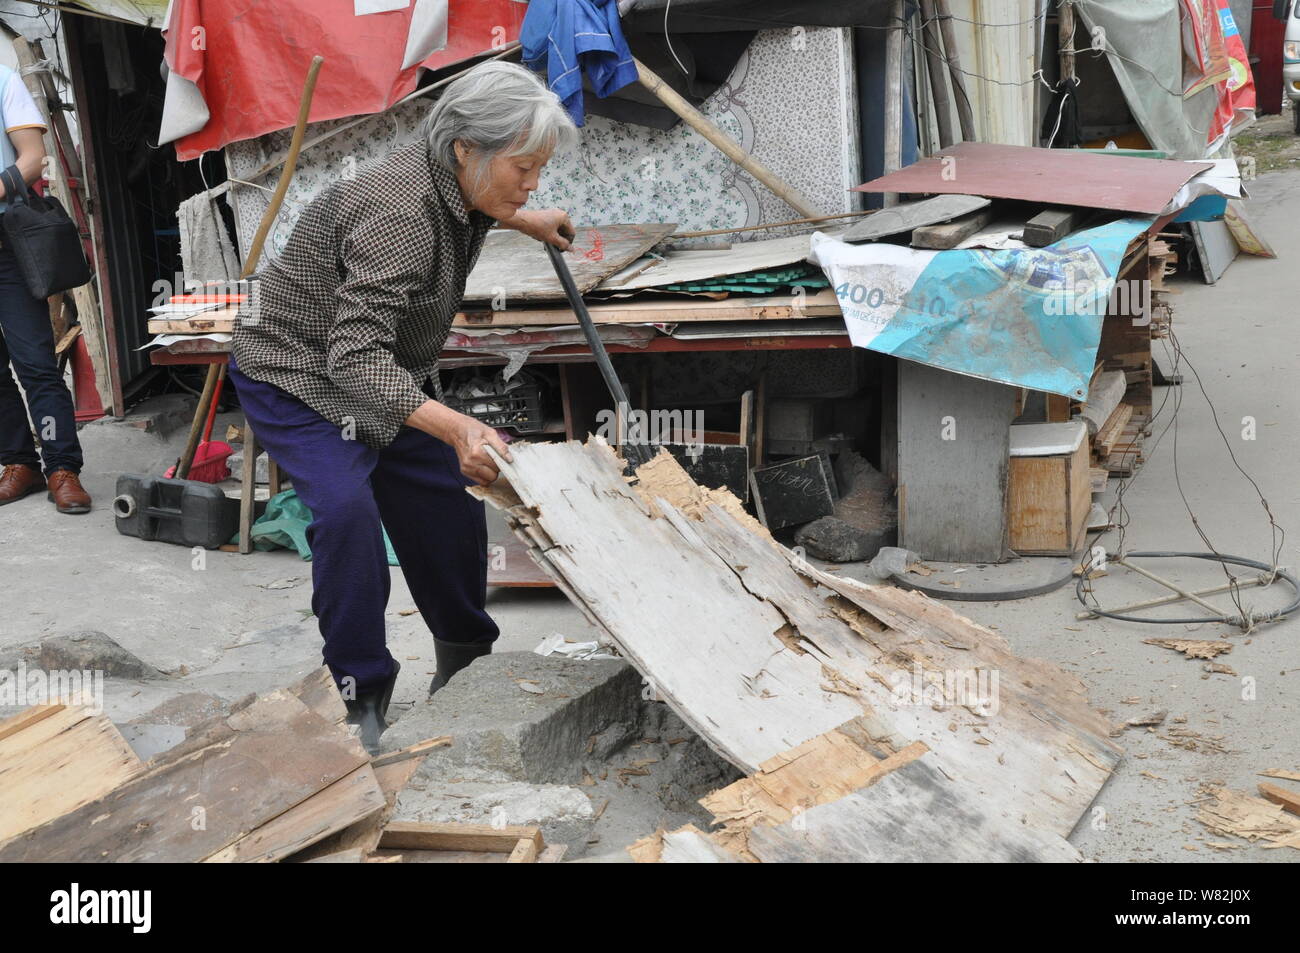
(244, 770)
(1047, 176)
(54, 759)
(516, 268)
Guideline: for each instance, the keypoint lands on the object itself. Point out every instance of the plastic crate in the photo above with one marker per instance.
(520, 410)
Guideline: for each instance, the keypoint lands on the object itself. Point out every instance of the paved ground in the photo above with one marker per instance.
(229, 625)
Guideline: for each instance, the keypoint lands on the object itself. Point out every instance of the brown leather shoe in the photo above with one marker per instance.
(17, 481)
(67, 493)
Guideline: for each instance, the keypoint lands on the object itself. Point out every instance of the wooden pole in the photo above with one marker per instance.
(1065, 39)
(964, 114)
(938, 80)
(894, 98)
(729, 147)
(250, 265)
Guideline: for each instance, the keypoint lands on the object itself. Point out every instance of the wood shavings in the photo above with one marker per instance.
(1194, 648)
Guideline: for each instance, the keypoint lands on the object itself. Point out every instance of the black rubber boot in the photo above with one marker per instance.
(368, 709)
(451, 657)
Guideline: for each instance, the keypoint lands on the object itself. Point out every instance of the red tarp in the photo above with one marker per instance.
(249, 58)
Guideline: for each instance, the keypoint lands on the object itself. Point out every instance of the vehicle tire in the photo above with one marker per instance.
(1295, 114)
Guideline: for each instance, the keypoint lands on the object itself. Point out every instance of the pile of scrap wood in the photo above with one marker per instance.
(281, 777)
(874, 723)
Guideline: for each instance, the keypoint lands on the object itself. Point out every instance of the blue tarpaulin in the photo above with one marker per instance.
(1029, 317)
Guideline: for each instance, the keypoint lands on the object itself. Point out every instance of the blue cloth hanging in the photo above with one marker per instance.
(570, 37)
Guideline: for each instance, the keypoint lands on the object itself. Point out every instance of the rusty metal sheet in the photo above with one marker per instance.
(1049, 176)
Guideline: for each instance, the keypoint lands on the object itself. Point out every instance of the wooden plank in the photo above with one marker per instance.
(1111, 432)
(236, 774)
(513, 267)
(1290, 800)
(1051, 225)
(784, 660)
(403, 835)
(54, 759)
(347, 801)
(739, 308)
(525, 852)
(27, 717)
(906, 216)
(951, 234)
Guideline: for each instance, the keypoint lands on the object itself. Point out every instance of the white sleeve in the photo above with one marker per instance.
(18, 107)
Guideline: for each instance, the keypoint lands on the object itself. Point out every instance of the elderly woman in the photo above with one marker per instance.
(336, 369)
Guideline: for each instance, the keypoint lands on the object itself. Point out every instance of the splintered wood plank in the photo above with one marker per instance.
(515, 267)
(914, 814)
(237, 774)
(733, 632)
(55, 759)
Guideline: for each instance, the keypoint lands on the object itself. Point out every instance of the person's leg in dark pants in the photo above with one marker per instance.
(29, 343)
(439, 533)
(350, 575)
(16, 444)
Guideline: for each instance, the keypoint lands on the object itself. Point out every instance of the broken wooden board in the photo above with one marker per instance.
(1225, 811)
(905, 216)
(233, 774)
(839, 798)
(515, 268)
(759, 652)
(55, 759)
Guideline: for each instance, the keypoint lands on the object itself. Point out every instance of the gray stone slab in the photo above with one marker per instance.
(525, 717)
(89, 650)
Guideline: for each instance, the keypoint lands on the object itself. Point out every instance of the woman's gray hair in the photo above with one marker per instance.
(497, 108)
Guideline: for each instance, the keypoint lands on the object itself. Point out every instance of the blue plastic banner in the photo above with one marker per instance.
(1029, 317)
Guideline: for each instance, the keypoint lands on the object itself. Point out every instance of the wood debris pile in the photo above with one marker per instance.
(281, 777)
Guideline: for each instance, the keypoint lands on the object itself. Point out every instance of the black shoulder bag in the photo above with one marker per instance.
(43, 238)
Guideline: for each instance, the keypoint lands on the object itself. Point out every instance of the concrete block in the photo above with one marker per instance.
(502, 729)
